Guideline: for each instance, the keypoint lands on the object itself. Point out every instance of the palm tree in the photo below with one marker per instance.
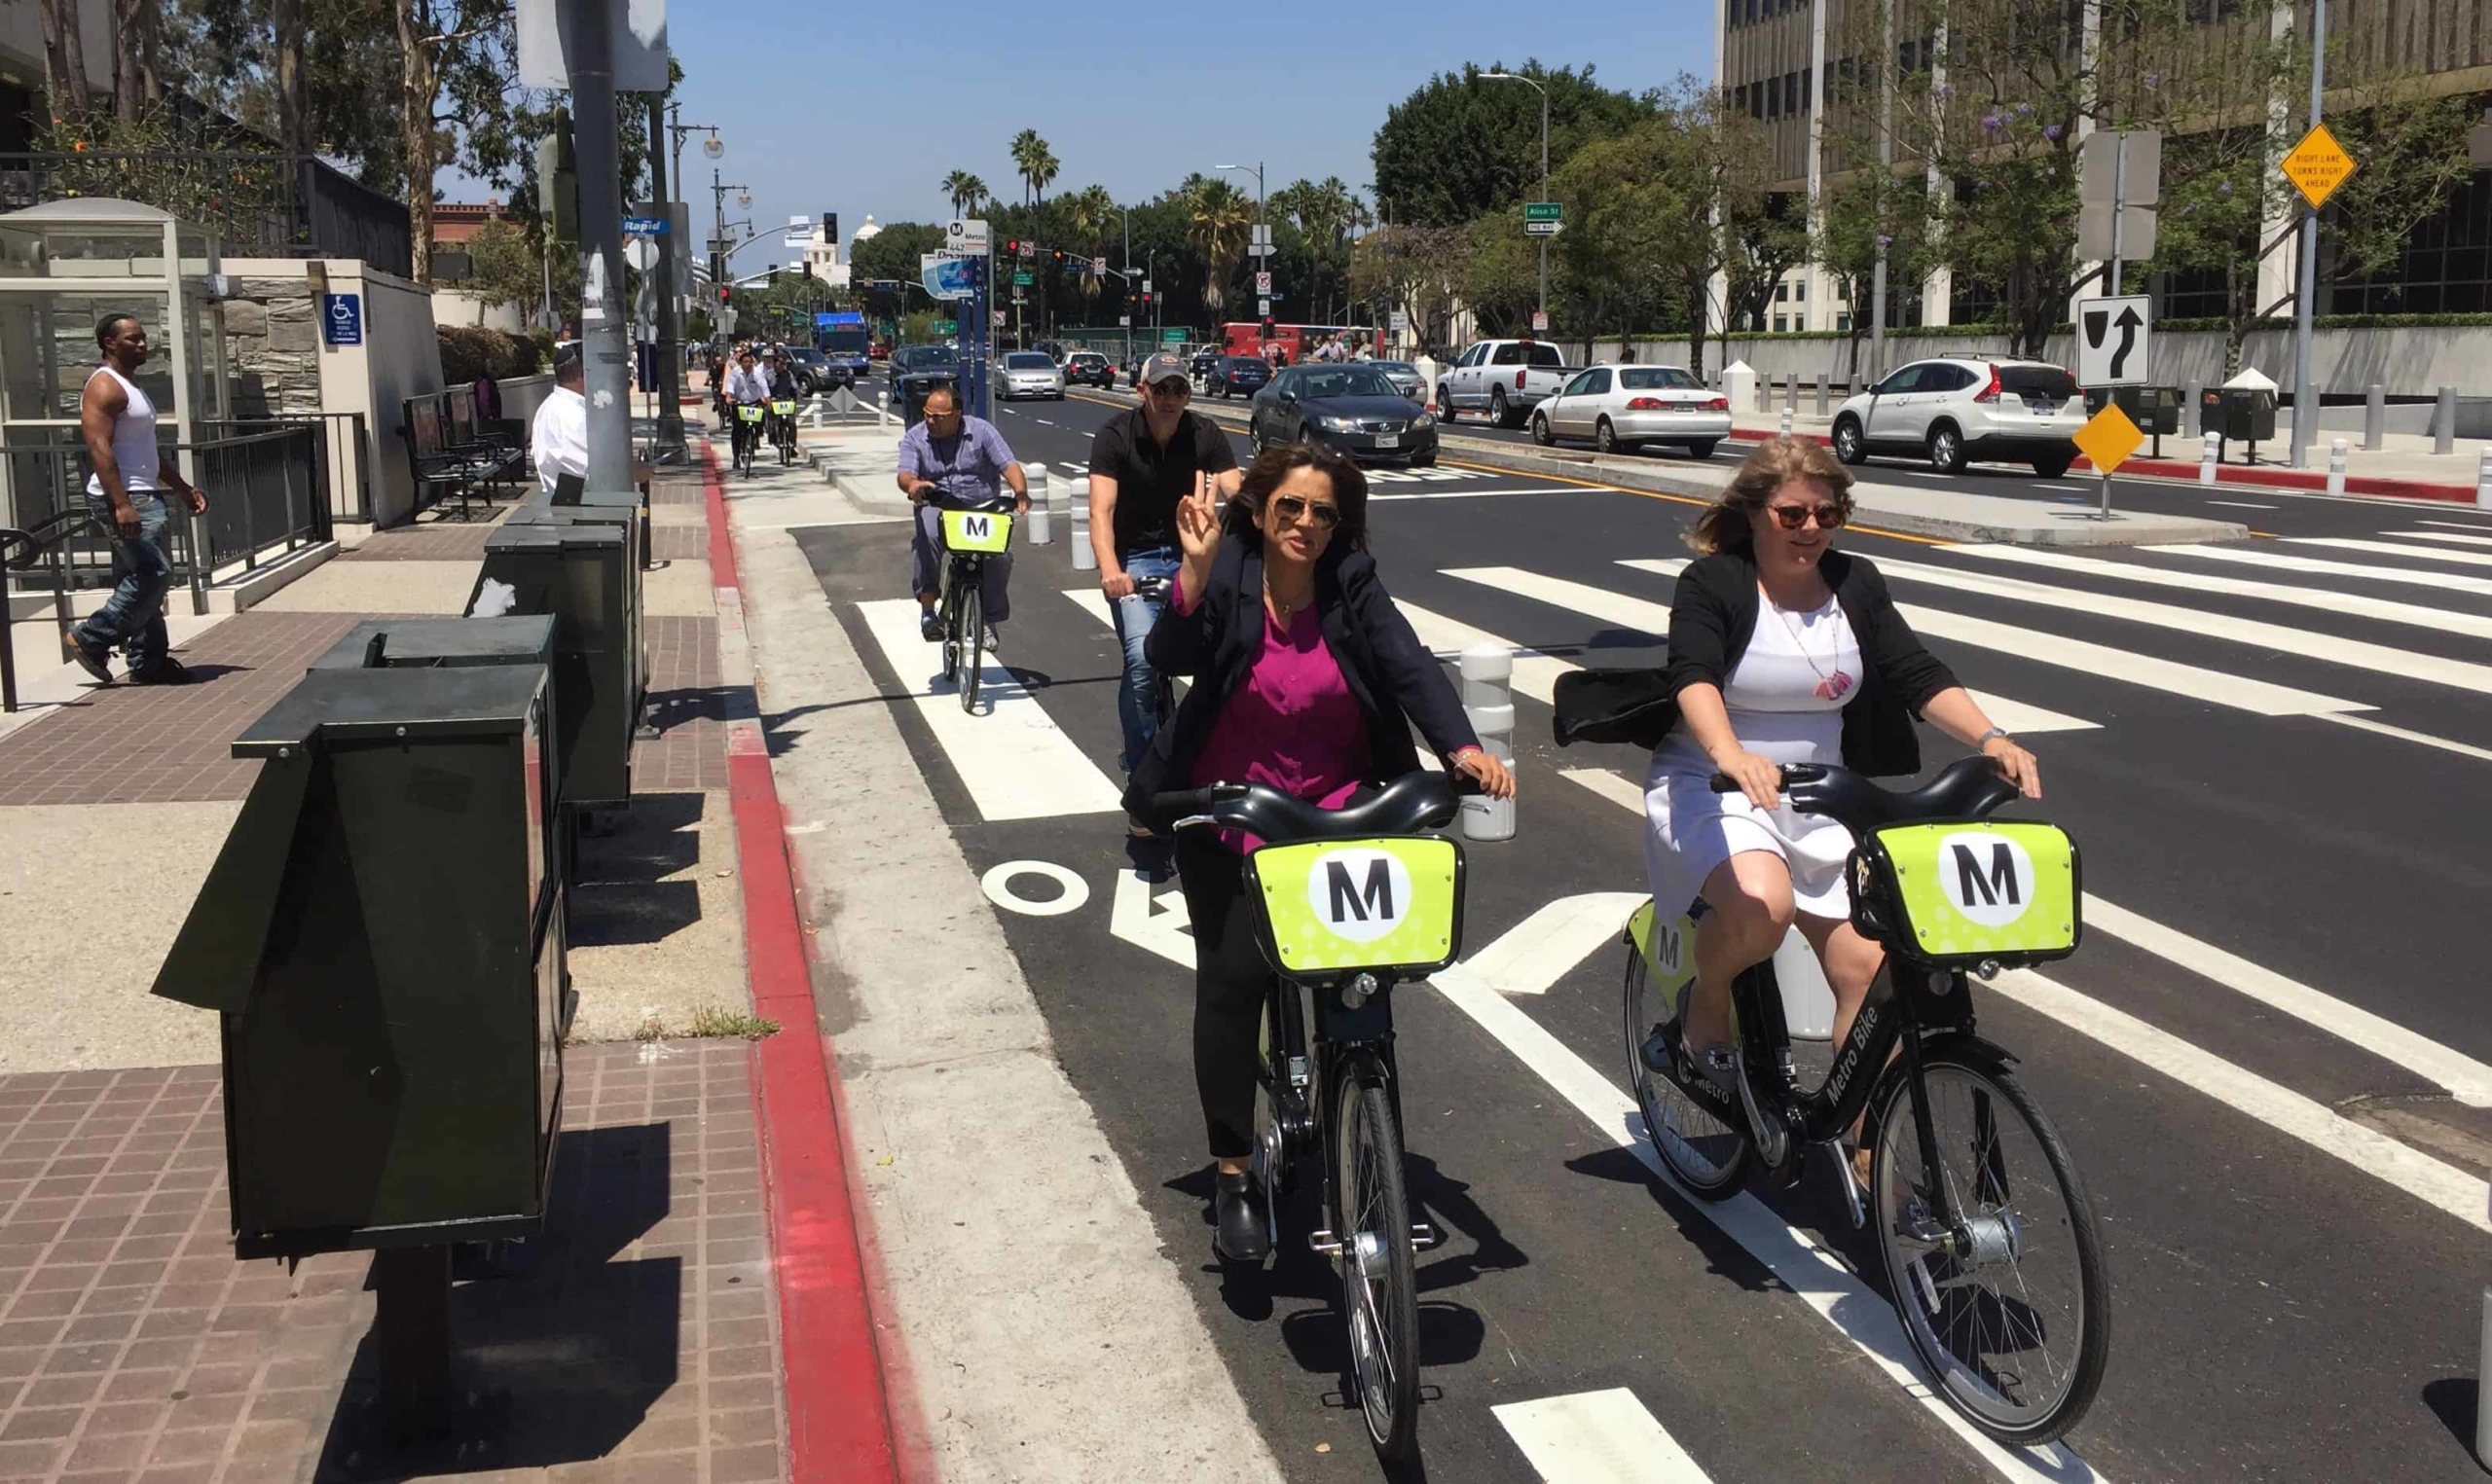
(1026, 149)
(1088, 212)
(966, 191)
(1219, 218)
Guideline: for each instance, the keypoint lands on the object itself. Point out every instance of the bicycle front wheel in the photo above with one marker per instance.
(972, 621)
(1708, 1156)
(2008, 1303)
(1379, 1277)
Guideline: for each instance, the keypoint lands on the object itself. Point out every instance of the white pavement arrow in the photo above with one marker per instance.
(1157, 923)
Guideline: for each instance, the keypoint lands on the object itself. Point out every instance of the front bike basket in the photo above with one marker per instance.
(976, 530)
(784, 408)
(1336, 907)
(750, 412)
(1957, 896)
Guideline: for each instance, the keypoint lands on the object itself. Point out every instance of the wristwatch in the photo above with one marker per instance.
(1983, 740)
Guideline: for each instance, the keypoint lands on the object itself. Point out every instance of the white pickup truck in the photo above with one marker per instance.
(1502, 378)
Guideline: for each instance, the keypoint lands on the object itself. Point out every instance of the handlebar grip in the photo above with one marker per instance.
(1790, 773)
(1723, 783)
(1193, 801)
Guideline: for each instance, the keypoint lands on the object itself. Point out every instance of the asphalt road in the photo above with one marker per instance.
(2272, 755)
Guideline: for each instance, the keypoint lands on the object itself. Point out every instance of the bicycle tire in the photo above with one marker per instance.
(1969, 1395)
(1664, 1107)
(973, 619)
(1379, 1295)
(950, 604)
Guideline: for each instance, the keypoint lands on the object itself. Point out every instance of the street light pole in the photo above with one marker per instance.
(2306, 419)
(1262, 264)
(1516, 76)
(1128, 314)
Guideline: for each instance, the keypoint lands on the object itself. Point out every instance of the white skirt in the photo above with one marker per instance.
(1692, 829)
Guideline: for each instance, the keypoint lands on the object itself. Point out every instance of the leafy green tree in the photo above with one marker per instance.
(505, 266)
(1463, 145)
(1220, 221)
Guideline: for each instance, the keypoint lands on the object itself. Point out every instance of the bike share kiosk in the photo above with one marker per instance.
(382, 936)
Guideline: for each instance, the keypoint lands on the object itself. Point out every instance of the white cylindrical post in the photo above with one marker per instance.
(2206, 458)
(2336, 466)
(2483, 481)
(1042, 533)
(1489, 700)
(1077, 493)
(816, 409)
(882, 409)
(2483, 1385)
(1786, 422)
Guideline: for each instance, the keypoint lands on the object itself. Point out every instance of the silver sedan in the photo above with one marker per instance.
(1030, 374)
(1619, 407)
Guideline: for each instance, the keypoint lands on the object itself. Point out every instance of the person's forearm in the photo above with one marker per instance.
(1956, 712)
(1226, 483)
(1019, 481)
(1103, 528)
(1708, 722)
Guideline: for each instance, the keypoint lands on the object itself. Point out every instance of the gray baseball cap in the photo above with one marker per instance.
(1165, 367)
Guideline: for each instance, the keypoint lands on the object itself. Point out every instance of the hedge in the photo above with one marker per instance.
(2176, 326)
(472, 351)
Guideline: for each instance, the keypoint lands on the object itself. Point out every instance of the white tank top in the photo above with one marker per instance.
(133, 439)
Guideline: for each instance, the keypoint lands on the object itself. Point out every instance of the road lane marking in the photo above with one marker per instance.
(1469, 495)
(2284, 562)
(2326, 600)
(1597, 1437)
(1535, 673)
(2244, 505)
(2458, 524)
(2392, 549)
(2443, 535)
(2192, 683)
(1646, 617)
(1013, 761)
(1818, 1277)
(2365, 723)
(1546, 946)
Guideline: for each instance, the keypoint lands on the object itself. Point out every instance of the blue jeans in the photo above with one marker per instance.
(132, 617)
(1138, 699)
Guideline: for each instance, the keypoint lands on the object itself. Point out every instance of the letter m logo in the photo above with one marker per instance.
(1989, 888)
(976, 527)
(1349, 902)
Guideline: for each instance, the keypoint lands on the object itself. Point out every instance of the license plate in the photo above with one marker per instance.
(1388, 440)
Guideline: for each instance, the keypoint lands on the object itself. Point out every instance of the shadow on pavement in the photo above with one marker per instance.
(623, 894)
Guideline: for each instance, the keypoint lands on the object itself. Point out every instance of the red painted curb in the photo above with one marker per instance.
(839, 1417)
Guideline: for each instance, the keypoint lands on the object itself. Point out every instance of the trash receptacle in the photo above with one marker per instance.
(2244, 414)
(383, 935)
(624, 513)
(578, 573)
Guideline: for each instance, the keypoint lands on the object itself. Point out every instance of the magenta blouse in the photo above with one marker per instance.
(1293, 726)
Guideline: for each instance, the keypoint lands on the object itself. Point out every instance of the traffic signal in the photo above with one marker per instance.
(1013, 247)
(1059, 256)
(774, 276)
(831, 229)
(722, 293)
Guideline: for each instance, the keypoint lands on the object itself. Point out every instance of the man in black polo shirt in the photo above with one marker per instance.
(1141, 464)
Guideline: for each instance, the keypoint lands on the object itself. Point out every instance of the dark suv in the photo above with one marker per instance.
(1239, 376)
(1090, 368)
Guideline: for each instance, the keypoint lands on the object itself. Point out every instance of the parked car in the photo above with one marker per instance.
(1239, 375)
(1355, 408)
(1029, 374)
(1953, 410)
(1502, 378)
(1404, 377)
(1621, 406)
(1206, 361)
(1090, 368)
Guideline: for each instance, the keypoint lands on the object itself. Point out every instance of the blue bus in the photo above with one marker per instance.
(842, 339)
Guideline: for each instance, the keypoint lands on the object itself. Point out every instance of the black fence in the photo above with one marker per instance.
(344, 456)
(264, 205)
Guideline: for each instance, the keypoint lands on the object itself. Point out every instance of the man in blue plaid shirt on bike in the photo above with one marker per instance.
(954, 461)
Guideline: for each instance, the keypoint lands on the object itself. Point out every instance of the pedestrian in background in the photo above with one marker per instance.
(126, 496)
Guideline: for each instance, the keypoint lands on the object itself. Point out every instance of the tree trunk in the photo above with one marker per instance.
(419, 83)
(293, 112)
(1696, 333)
(65, 49)
(129, 20)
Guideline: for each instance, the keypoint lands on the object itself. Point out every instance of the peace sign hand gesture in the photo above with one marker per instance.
(1198, 522)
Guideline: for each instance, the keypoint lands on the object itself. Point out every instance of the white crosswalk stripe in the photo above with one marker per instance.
(2443, 535)
(1597, 1437)
(2269, 556)
(2392, 549)
(2327, 599)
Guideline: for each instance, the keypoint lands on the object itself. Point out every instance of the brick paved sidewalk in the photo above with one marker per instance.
(639, 1345)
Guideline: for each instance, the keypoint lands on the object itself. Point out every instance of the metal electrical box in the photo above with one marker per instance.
(428, 643)
(2241, 414)
(383, 935)
(581, 575)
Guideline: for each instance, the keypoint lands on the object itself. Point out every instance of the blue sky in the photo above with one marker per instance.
(855, 108)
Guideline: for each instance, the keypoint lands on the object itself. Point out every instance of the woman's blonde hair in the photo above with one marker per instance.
(1724, 527)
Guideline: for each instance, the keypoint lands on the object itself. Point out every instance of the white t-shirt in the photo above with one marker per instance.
(1786, 693)
(558, 441)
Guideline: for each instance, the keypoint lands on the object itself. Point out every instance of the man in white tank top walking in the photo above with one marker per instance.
(126, 493)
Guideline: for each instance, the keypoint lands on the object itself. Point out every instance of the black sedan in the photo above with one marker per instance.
(924, 368)
(1206, 361)
(1239, 375)
(814, 370)
(1352, 408)
(1090, 368)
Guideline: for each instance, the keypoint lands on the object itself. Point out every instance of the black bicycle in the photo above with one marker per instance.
(748, 434)
(970, 538)
(1350, 901)
(1987, 1240)
(782, 428)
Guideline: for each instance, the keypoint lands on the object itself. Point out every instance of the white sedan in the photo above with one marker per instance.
(1030, 374)
(1619, 407)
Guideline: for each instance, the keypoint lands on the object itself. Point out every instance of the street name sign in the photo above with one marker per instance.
(1542, 219)
(2107, 439)
(1024, 280)
(2112, 339)
(2318, 166)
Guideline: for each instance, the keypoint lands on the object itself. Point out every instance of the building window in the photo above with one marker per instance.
(1781, 293)
(1800, 291)
(1779, 326)
(2446, 268)
(1773, 97)
(1808, 86)
(1843, 322)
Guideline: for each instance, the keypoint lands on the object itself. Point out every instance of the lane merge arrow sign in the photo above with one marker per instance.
(2113, 340)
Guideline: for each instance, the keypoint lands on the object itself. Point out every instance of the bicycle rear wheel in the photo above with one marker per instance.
(972, 622)
(2010, 1308)
(1710, 1157)
(1379, 1277)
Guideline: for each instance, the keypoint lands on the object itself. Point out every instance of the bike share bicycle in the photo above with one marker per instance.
(969, 537)
(1983, 1225)
(1349, 902)
(782, 428)
(748, 434)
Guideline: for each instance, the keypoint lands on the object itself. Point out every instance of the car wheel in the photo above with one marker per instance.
(1604, 437)
(1703, 448)
(1849, 445)
(1498, 412)
(1540, 433)
(1445, 403)
(1946, 449)
(2054, 466)
(1426, 460)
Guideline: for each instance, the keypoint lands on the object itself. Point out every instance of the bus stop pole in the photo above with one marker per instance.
(670, 367)
(609, 352)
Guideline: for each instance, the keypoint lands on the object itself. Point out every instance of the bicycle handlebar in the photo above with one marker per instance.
(1970, 788)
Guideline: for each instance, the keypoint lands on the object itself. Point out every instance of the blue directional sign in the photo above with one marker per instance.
(341, 319)
(644, 226)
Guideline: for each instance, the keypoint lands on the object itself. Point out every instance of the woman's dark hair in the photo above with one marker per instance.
(1272, 468)
(105, 328)
(1724, 527)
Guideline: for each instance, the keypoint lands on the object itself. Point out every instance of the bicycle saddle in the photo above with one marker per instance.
(1968, 789)
(1410, 804)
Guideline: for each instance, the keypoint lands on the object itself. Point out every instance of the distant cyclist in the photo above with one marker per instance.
(954, 461)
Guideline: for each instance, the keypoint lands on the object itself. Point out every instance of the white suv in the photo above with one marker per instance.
(1953, 410)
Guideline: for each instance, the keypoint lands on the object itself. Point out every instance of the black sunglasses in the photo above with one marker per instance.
(1173, 389)
(1794, 517)
(1291, 508)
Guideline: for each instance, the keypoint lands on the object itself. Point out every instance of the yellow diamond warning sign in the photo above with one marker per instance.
(2108, 438)
(2318, 166)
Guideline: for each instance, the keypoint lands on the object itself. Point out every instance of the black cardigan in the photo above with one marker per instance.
(1712, 616)
(1394, 678)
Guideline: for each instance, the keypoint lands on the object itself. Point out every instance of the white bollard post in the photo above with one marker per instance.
(816, 409)
(1039, 530)
(2206, 458)
(2483, 481)
(2336, 466)
(883, 409)
(1077, 492)
(1489, 700)
(1786, 422)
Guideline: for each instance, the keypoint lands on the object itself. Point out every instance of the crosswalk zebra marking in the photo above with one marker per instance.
(1597, 1437)
(2443, 535)
(2392, 549)
(2327, 599)
(2269, 556)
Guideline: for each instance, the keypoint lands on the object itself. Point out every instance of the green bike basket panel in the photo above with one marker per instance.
(976, 530)
(1668, 950)
(750, 412)
(1959, 894)
(784, 408)
(1338, 906)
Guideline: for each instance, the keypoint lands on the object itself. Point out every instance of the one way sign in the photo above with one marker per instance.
(2112, 342)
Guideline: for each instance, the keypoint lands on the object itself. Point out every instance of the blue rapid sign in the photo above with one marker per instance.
(644, 226)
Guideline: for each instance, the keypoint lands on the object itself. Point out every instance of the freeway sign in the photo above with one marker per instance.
(1174, 337)
(2113, 335)
(947, 327)
(644, 226)
(2317, 165)
(1023, 281)
(2107, 439)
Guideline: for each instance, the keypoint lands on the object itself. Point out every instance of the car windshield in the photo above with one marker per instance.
(1348, 381)
(1655, 378)
(2050, 381)
(922, 356)
(1029, 360)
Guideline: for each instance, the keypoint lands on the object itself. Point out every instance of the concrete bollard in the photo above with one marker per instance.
(2193, 407)
(1489, 700)
(814, 412)
(2336, 466)
(1791, 391)
(2483, 481)
(2444, 422)
(1786, 422)
(2374, 418)
(1077, 493)
(1041, 523)
(882, 409)
(1823, 378)
(2211, 451)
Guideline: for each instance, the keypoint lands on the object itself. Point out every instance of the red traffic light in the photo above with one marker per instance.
(722, 293)
(1013, 247)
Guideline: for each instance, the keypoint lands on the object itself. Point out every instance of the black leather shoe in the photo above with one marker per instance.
(1241, 1237)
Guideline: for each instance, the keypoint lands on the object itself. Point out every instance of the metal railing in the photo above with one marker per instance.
(22, 550)
(262, 203)
(345, 455)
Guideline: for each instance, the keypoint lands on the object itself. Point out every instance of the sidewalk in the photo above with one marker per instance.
(645, 1342)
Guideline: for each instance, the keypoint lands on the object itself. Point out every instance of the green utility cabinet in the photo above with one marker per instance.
(428, 643)
(580, 574)
(383, 935)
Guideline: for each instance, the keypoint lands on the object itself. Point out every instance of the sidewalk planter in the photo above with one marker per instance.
(579, 569)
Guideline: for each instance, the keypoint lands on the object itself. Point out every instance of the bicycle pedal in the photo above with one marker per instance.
(1425, 1237)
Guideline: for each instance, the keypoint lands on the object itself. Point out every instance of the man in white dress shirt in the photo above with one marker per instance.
(558, 441)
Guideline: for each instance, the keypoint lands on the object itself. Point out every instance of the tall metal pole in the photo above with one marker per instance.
(1544, 195)
(1886, 183)
(609, 350)
(2305, 416)
(1128, 314)
(669, 342)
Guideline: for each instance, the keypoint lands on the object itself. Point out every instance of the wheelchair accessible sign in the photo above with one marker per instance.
(341, 319)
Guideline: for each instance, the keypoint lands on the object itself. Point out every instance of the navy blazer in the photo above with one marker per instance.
(1394, 678)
